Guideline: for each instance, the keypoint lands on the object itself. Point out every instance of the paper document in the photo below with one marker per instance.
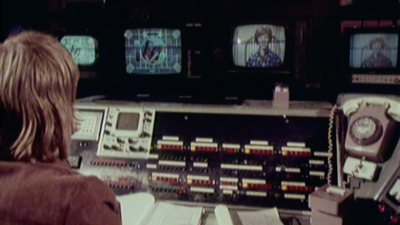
(267, 217)
(140, 209)
(134, 207)
(223, 216)
(169, 214)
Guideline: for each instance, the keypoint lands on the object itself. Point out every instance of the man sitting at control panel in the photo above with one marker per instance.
(38, 81)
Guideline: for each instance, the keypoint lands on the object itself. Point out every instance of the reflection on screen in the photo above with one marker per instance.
(82, 48)
(373, 50)
(153, 51)
(128, 121)
(259, 45)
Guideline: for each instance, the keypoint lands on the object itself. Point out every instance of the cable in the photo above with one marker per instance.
(330, 142)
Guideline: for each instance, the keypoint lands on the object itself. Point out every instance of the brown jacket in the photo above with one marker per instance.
(52, 193)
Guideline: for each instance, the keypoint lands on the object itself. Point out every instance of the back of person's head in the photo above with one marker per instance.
(38, 81)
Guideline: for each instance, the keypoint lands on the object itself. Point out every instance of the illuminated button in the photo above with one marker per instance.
(382, 208)
(394, 219)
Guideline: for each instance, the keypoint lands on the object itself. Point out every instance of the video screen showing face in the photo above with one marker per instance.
(82, 48)
(373, 50)
(153, 51)
(259, 45)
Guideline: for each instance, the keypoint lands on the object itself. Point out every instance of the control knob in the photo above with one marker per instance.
(132, 141)
(120, 140)
(144, 134)
(115, 147)
(133, 149)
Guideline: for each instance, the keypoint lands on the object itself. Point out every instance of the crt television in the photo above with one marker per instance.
(153, 51)
(273, 50)
(84, 48)
(372, 55)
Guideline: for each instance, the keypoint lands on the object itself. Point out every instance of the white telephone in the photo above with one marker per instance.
(371, 125)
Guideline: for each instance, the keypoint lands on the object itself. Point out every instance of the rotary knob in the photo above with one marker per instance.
(133, 149)
(132, 141)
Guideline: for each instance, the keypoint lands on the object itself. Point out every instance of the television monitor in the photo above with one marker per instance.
(373, 55)
(84, 49)
(271, 50)
(259, 45)
(153, 51)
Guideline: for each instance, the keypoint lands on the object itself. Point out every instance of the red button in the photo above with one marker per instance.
(381, 208)
(394, 219)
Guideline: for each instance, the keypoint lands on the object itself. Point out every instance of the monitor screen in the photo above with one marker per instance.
(128, 121)
(374, 50)
(259, 45)
(82, 48)
(153, 51)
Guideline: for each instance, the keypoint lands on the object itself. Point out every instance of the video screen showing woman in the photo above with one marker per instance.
(259, 45)
(373, 50)
(153, 51)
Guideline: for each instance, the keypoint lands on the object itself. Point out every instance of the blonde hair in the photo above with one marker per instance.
(38, 81)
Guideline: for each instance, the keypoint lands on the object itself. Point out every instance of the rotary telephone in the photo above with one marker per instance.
(372, 122)
(369, 146)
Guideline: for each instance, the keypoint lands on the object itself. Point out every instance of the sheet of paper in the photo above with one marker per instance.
(134, 207)
(223, 215)
(169, 214)
(267, 217)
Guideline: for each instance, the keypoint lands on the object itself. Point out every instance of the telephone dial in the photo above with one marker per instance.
(371, 125)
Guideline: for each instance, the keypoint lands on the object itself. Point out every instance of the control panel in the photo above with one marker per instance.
(240, 155)
(127, 132)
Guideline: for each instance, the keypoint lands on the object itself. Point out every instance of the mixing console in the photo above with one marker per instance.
(239, 154)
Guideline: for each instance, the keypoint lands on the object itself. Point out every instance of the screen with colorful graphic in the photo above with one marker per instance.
(153, 51)
(259, 45)
(82, 48)
(374, 50)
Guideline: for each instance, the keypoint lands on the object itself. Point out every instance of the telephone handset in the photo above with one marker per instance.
(371, 124)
